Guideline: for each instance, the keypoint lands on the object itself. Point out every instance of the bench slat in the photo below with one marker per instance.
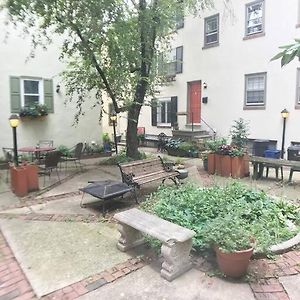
(275, 161)
(154, 226)
(139, 162)
(154, 177)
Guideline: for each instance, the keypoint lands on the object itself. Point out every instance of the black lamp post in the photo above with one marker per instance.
(14, 122)
(113, 118)
(284, 115)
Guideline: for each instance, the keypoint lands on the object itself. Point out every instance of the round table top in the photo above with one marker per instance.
(35, 149)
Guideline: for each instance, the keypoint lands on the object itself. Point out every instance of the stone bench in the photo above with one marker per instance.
(176, 240)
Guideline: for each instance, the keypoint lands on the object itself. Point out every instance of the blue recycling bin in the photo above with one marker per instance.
(272, 153)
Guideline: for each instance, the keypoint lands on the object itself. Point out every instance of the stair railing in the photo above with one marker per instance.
(213, 131)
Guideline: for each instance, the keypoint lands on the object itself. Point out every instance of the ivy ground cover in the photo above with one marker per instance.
(229, 216)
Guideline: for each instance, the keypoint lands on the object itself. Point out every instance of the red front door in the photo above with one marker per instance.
(194, 102)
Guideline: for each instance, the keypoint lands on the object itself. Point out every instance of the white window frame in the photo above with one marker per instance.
(206, 44)
(40, 94)
(247, 33)
(247, 76)
(158, 114)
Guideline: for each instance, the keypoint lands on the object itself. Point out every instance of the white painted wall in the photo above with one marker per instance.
(223, 69)
(56, 126)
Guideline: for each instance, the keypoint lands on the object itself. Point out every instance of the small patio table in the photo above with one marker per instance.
(35, 150)
(105, 190)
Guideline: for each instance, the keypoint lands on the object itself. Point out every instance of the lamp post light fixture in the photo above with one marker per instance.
(14, 122)
(284, 114)
(113, 118)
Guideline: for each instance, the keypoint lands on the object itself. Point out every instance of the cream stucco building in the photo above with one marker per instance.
(226, 72)
(36, 79)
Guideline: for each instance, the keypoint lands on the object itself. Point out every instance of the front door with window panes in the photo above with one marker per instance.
(164, 112)
(254, 18)
(31, 92)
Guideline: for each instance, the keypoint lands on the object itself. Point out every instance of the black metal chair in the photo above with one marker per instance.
(162, 140)
(51, 163)
(9, 158)
(76, 157)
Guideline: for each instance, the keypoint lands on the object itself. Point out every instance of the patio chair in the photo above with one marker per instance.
(51, 162)
(9, 158)
(76, 157)
(45, 143)
(162, 140)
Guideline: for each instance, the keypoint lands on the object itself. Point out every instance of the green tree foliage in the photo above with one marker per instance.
(288, 53)
(109, 45)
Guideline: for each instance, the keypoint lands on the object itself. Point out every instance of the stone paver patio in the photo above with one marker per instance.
(50, 248)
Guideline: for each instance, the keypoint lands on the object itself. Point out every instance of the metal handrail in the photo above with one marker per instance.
(214, 132)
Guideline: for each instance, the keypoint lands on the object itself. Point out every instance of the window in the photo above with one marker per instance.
(211, 31)
(254, 18)
(298, 89)
(179, 20)
(31, 92)
(164, 111)
(255, 90)
(172, 63)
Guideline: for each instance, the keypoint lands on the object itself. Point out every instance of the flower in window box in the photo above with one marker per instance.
(34, 111)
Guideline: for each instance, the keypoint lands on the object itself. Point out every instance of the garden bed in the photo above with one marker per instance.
(223, 213)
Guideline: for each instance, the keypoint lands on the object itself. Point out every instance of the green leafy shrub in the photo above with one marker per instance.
(214, 145)
(121, 158)
(64, 150)
(229, 216)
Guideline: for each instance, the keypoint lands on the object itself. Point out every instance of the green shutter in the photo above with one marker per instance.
(179, 59)
(174, 111)
(15, 94)
(154, 112)
(48, 95)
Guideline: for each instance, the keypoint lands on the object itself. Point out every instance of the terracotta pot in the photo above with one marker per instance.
(246, 165)
(237, 167)
(218, 169)
(19, 181)
(234, 264)
(211, 163)
(225, 165)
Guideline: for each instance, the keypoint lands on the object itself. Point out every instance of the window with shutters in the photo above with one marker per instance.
(164, 112)
(255, 90)
(31, 92)
(211, 28)
(255, 18)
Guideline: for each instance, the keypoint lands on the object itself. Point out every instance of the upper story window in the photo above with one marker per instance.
(179, 20)
(171, 63)
(255, 18)
(31, 92)
(211, 31)
(255, 90)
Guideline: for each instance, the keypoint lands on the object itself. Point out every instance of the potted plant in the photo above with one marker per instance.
(34, 111)
(106, 142)
(233, 243)
(213, 158)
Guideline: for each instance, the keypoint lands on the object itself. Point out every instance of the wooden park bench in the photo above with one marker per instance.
(260, 162)
(176, 240)
(144, 171)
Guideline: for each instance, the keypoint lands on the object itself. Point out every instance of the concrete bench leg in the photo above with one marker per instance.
(176, 259)
(129, 238)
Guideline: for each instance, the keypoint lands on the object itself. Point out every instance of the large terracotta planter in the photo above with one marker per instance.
(246, 165)
(211, 163)
(218, 169)
(32, 177)
(19, 181)
(234, 264)
(237, 167)
(225, 165)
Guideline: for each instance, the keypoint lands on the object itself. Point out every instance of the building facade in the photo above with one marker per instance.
(27, 81)
(226, 72)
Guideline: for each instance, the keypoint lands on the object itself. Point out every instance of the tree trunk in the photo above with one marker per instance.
(131, 134)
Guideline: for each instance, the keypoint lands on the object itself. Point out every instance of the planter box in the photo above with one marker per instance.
(246, 165)
(237, 167)
(211, 163)
(225, 165)
(218, 169)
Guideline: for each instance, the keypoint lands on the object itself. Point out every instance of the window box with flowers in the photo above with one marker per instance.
(36, 111)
